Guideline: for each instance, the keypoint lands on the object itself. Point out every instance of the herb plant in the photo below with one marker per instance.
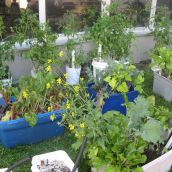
(162, 30)
(115, 142)
(163, 60)
(110, 31)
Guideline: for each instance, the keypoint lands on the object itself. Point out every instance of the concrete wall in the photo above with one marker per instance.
(140, 46)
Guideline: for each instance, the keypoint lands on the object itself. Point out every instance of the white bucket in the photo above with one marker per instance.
(73, 75)
(98, 66)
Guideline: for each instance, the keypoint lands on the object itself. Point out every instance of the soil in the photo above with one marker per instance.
(54, 166)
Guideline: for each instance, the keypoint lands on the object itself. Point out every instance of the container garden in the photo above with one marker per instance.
(161, 164)
(162, 86)
(18, 132)
(114, 101)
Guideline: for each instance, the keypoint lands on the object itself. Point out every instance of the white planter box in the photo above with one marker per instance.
(161, 164)
(162, 86)
(57, 155)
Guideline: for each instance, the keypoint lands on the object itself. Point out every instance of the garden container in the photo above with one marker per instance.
(114, 101)
(18, 132)
(162, 86)
(161, 164)
(73, 75)
(98, 66)
(57, 155)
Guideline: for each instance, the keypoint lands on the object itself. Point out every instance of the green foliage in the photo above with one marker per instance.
(122, 76)
(162, 32)
(142, 121)
(163, 60)
(72, 27)
(6, 51)
(39, 37)
(110, 31)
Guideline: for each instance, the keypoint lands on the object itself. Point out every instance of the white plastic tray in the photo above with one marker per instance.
(57, 155)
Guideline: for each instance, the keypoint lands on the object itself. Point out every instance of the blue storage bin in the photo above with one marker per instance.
(18, 132)
(114, 101)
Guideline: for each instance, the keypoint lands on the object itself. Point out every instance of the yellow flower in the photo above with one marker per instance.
(49, 61)
(25, 94)
(76, 135)
(61, 53)
(49, 109)
(59, 81)
(48, 85)
(72, 114)
(71, 127)
(68, 105)
(82, 125)
(66, 75)
(58, 123)
(77, 88)
(48, 68)
(81, 79)
(52, 117)
(64, 116)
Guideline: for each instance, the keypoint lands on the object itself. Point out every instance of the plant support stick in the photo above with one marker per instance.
(73, 58)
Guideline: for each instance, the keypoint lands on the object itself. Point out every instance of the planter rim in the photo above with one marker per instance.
(21, 122)
(77, 67)
(158, 160)
(156, 73)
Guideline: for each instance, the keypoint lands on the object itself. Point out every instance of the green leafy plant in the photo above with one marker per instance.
(162, 31)
(141, 121)
(72, 27)
(39, 37)
(6, 51)
(33, 96)
(163, 61)
(115, 142)
(110, 31)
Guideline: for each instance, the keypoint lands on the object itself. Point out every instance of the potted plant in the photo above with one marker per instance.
(163, 76)
(74, 56)
(40, 39)
(119, 84)
(34, 114)
(6, 54)
(115, 142)
(110, 33)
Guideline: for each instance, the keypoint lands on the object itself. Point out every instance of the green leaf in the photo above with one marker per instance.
(112, 83)
(123, 88)
(152, 131)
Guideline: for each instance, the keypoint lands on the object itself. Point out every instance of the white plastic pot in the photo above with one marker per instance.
(162, 86)
(161, 164)
(73, 75)
(57, 155)
(98, 66)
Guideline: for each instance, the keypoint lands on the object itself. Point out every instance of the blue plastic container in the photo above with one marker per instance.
(114, 101)
(18, 132)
